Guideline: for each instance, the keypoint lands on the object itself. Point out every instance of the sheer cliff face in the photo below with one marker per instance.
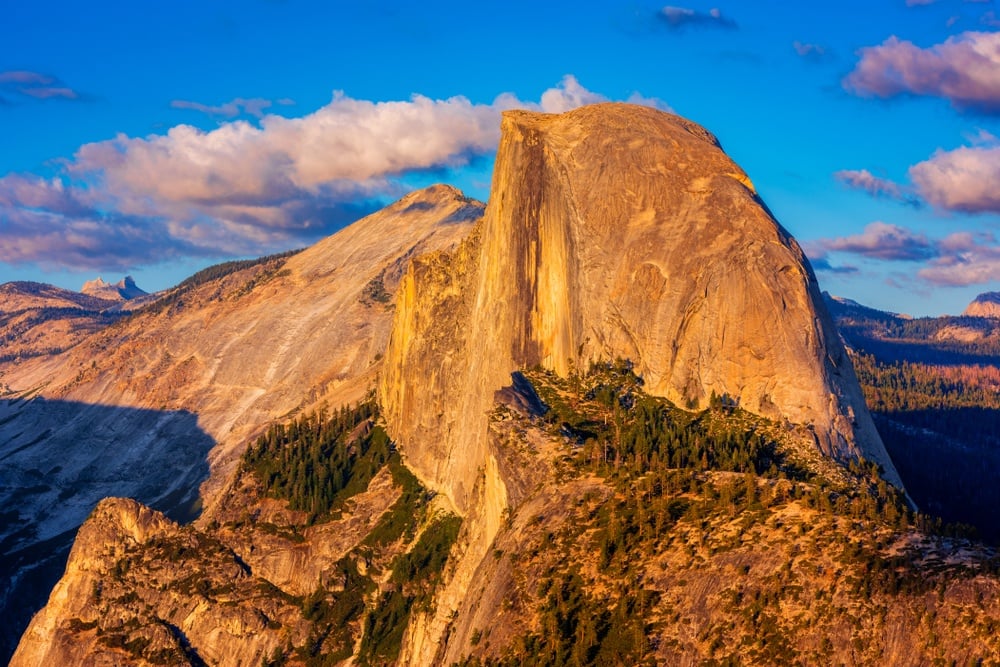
(616, 231)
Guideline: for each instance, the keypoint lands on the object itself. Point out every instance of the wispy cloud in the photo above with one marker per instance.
(959, 259)
(252, 107)
(24, 77)
(862, 179)
(989, 19)
(964, 69)
(965, 259)
(248, 186)
(883, 241)
(35, 85)
(678, 18)
(821, 262)
(812, 52)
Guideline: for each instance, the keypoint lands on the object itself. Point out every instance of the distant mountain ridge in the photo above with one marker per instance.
(22, 295)
(37, 319)
(123, 290)
(946, 339)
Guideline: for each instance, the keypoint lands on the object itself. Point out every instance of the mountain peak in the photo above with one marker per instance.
(986, 304)
(124, 290)
(438, 197)
(614, 117)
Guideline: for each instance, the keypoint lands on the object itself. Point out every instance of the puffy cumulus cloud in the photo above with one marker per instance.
(348, 140)
(876, 186)
(881, 240)
(247, 187)
(252, 107)
(678, 18)
(25, 83)
(19, 191)
(964, 69)
(655, 103)
(568, 95)
(57, 225)
(965, 179)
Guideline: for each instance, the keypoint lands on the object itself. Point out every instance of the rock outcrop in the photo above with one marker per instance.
(131, 562)
(616, 231)
(986, 304)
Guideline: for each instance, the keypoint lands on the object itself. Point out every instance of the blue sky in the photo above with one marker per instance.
(157, 138)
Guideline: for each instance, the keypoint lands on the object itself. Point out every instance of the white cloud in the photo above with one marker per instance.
(248, 187)
(568, 95)
(965, 179)
(966, 259)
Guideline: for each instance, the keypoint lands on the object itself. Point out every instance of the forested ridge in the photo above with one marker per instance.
(936, 402)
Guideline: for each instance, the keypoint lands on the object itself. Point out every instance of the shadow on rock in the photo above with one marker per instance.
(57, 460)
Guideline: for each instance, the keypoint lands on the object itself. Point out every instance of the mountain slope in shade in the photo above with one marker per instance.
(159, 401)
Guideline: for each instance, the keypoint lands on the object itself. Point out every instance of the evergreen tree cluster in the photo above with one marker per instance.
(316, 461)
(614, 425)
(894, 387)
(415, 576)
